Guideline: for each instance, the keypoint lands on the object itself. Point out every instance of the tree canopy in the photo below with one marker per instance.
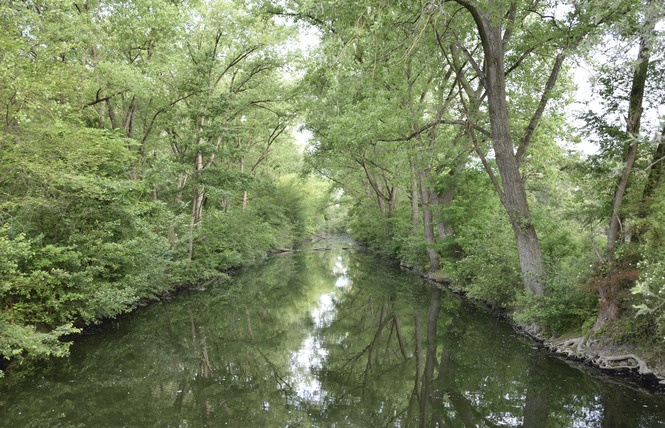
(149, 144)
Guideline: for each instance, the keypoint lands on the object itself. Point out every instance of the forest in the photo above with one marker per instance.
(512, 149)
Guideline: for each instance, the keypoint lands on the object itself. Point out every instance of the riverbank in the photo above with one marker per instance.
(625, 363)
(22, 362)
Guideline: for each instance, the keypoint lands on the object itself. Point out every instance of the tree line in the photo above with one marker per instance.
(449, 126)
(150, 143)
(143, 144)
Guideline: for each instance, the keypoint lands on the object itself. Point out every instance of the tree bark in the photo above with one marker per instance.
(610, 309)
(632, 129)
(197, 202)
(443, 226)
(415, 214)
(428, 228)
(244, 193)
(515, 198)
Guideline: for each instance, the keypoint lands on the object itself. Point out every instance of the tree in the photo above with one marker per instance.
(499, 25)
(624, 84)
(110, 111)
(633, 119)
(228, 79)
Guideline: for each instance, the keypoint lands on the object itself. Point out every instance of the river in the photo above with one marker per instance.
(317, 339)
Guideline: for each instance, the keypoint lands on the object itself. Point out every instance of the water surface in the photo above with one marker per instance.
(317, 339)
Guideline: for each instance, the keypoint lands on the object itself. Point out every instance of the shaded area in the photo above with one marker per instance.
(317, 339)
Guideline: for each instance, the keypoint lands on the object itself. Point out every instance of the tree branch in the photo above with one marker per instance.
(537, 115)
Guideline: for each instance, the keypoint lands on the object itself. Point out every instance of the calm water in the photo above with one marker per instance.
(317, 339)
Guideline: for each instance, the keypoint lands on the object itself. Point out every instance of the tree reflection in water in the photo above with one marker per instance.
(317, 339)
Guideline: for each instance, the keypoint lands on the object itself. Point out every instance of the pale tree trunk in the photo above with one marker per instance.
(381, 203)
(368, 191)
(393, 199)
(425, 194)
(226, 204)
(194, 219)
(129, 129)
(514, 196)
(179, 185)
(197, 203)
(443, 226)
(415, 214)
(244, 193)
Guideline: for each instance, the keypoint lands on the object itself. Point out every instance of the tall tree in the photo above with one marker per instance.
(633, 119)
(501, 25)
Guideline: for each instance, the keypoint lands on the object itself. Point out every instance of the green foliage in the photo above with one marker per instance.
(490, 269)
(114, 115)
(232, 239)
(19, 341)
(486, 265)
(145, 144)
(649, 293)
(565, 306)
(412, 251)
(388, 233)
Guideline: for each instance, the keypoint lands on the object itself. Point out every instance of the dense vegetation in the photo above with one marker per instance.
(142, 145)
(146, 144)
(451, 129)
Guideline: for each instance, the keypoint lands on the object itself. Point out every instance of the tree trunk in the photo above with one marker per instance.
(244, 193)
(443, 227)
(428, 228)
(393, 200)
(197, 206)
(632, 129)
(415, 214)
(515, 198)
(610, 309)
(245, 198)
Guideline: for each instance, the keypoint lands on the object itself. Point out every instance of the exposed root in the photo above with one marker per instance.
(627, 361)
(593, 351)
(598, 354)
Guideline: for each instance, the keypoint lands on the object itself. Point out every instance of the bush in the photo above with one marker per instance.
(564, 307)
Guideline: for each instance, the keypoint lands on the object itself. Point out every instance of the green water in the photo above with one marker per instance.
(320, 339)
